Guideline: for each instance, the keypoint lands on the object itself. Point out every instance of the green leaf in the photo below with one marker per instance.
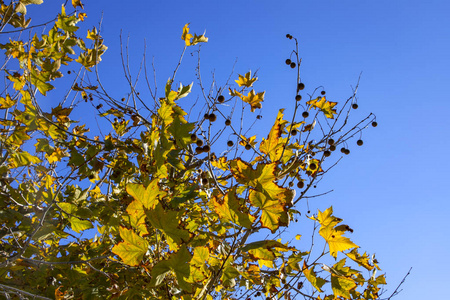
(77, 223)
(168, 222)
(177, 263)
(132, 249)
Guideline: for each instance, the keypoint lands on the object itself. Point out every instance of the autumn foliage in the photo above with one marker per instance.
(158, 205)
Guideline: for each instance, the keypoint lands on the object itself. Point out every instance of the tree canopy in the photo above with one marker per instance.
(167, 200)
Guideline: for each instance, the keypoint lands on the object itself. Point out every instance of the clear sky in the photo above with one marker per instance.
(394, 190)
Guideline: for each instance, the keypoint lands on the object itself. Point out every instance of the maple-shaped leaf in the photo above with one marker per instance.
(77, 223)
(343, 279)
(271, 210)
(336, 242)
(76, 3)
(270, 145)
(20, 159)
(362, 260)
(254, 99)
(325, 106)
(186, 36)
(234, 93)
(7, 102)
(316, 281)
(200, 257)
(246, 80)
(177, 263)
(228, 209)
(132, 249)
(137, 216)
(247, 141)
(199, 39)
(167, 222)
(147, 196)
(57, 155)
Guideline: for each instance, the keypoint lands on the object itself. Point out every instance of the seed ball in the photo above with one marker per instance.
(298, 97)
(294, 131)
(259, 117)
(332, 147)
(230, 143)
(343, 150)
(206, 148)
(322, 93)
(204, 181)
(293, 65)
(248, 147)
(354, 106)
(301, 86)
(291, 184)
(288, 61)
(347, 152)
(193, 137)
(212, 117)
(221, 99)
(198, 150)
(305, 114)
(300, 184)
(288, 35)
(374, 124)
(68, 72)
(228, 122)
(199, 143)
(360, 142)
(313, 166)
(330, 142)
(327, 153)
(206, 116)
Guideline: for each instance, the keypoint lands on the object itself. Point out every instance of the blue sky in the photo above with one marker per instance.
(393, 190)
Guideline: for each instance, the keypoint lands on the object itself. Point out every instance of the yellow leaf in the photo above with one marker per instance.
(228, 209)
(272, 210)
(331, 234)
(201, 256)
(186, 36)
(325, 106)
(270, 145)
(132, 249)
(247, 141)
(315, 281)
(82, 16)
(76, 3)
(137, 217)
(246, 80)
(147, 196)
(57, 155)
(199, 39)
(254, 99)
(6, 102)
(221, 163)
